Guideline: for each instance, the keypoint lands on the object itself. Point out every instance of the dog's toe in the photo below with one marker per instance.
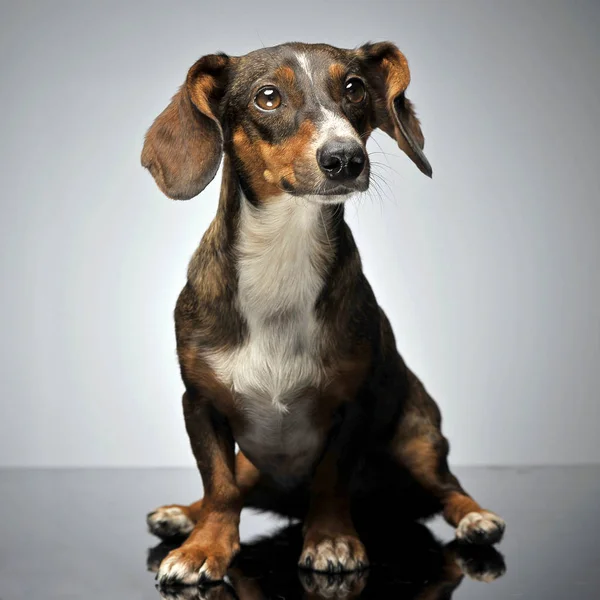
(338, 585)
(481, 563)
(169, 522)
(340, 554)
(481, 528)
(180, 593)
(190, 565)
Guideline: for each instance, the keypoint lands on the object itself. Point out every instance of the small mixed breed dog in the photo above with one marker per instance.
(282, 346)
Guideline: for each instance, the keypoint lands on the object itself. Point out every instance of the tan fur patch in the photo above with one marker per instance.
(457, 506)
(285, 74)
(202, 85)
(397, 74)
(397, 80)
(337, 71)
(203, 378)
(267, 164)
(421, 458)
(246, 477)
(200, 91)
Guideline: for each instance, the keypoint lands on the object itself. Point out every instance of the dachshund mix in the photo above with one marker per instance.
(282, 346)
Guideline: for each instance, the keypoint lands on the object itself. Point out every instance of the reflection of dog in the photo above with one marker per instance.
(282, 346)
(407, 563)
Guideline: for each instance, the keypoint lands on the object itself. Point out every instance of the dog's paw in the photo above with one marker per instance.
(333, 554)
(480, 563)
(189, 592)
(221, 591)
(180, 593)
(157, 554)
(333, 585)
(193, 564)
(483, 528)
(170, 522)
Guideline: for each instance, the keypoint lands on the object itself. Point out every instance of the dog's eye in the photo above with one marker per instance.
(354, 90)
(268, 98)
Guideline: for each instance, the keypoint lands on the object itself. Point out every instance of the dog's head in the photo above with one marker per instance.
(294, 119)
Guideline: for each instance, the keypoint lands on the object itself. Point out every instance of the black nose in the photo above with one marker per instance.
(342, 160)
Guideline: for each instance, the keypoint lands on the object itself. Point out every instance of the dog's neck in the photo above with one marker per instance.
(283, 256)
(284, 223)
(278, 254)
(273, 265)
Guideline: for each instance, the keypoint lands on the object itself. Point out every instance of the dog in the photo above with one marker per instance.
(282, 347)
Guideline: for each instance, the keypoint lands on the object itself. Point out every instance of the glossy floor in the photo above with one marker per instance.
(81, 534)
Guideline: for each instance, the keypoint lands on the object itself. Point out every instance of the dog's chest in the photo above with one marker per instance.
(276, 372)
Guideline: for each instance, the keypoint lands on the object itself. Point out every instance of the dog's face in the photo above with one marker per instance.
(299, 117)
(294, 119)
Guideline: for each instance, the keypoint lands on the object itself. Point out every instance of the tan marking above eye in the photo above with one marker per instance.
(354, 90)
(285, 74)
(337, 71)
(268, 98)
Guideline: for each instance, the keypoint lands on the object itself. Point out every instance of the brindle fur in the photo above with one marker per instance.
(381, 443)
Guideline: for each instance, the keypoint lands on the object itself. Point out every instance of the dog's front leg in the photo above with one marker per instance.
(331, 543)
(215, 540)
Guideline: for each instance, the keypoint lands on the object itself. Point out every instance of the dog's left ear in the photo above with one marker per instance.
(184, 145)
(388, 74)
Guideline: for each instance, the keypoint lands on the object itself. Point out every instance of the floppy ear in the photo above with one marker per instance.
(184, 145)
(388, 74)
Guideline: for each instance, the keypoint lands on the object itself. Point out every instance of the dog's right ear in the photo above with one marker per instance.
(184, 145)
(390, 76)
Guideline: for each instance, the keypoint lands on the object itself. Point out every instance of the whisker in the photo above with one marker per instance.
(380, 164)
(382, 180)
(271, 56)
(385, 153)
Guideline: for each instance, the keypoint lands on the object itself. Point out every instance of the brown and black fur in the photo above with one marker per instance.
(382, 447)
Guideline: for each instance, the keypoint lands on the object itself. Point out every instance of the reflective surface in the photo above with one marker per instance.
(81, 534)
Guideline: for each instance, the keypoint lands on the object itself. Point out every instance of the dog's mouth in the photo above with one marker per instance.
(329, 190)
(323, 187)
(344, 190)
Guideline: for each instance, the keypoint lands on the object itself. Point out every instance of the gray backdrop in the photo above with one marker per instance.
(489, 272)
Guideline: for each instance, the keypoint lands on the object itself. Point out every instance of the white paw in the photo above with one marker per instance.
(481, 528)
(176, 571)
(193, 563)
(188, 592)
(168, 522)
(485, 575)
(334, 555)
(481, 563)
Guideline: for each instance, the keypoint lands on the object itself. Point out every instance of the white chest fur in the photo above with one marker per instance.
(280, 262)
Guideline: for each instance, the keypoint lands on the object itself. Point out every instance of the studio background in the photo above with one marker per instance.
(488, 272)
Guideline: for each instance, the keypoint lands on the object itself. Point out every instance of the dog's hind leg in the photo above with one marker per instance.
(420, 447)
(173, 520)
(178, 520)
